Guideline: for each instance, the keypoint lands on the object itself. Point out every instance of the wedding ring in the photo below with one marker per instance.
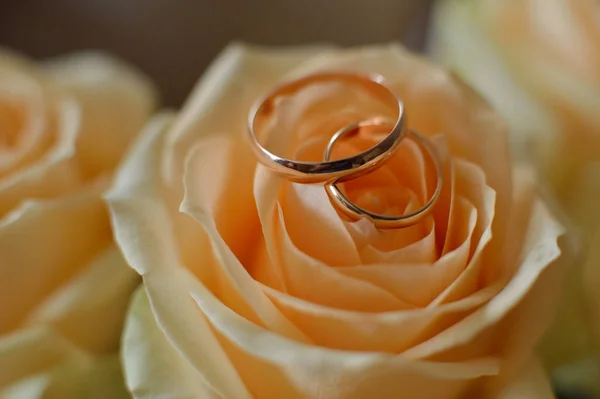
(353, 212)
(316, 172)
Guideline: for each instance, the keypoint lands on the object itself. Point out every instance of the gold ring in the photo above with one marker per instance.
(353, 212)
(317, 172)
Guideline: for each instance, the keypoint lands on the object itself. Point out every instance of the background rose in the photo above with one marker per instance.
(539, 64)
(63, 284)
(254, 287)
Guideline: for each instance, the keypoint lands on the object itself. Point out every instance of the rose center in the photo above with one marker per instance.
(389, 190)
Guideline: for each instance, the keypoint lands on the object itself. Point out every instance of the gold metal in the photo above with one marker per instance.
(327, 171)
(353, 212)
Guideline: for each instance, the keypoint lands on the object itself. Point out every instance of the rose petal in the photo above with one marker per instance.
(540, 251)
(115, 100)
(374, 331)
(422, 251)
(197, 175)
(419, 284)
(27, 122)
(140, 215)
(307, 278)
(470, 182)
(65, 232)
(146, 351)
(562, 68)
(273, 366)
(90, 308)
(312, 224)
(460, 41)
(55, 173)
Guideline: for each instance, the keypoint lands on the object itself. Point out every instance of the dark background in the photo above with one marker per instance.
(174, 40)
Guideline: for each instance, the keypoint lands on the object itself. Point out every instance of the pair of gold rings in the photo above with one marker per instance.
(332, 172)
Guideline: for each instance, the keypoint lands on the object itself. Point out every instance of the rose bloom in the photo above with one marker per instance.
(64, 286)
(538, 62)
(256, 288)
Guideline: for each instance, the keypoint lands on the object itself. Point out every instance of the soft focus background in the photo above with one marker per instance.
(173, 41)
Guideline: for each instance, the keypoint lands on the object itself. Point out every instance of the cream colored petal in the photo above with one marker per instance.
(198, 175)
(115, 99)
(540, 251)
(56, 172)
(554, 55)
(560, 31)
(421, 251)
(144, 232)
(51, 240)
(273, 366)
(27, 122)
(523, 323)
(468, 234)
(89, 309)
(306, 209)
(419, 284)
(374, 331)
(460, 41)
(470, 182)
(153, 367)
(578, 104)
(310, 279)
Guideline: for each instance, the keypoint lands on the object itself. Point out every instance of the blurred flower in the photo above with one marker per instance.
(538, 62)
(64, 286)
(254, 286)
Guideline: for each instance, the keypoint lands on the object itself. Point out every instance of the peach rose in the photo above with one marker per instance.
(254, 286)
(64, 286)
(548, 49)
(538, 62)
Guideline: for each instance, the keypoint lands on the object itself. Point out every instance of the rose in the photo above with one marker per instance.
(255, 288)
(541, 68)
(64, 286)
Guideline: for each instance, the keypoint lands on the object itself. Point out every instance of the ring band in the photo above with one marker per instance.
(327, 171)
(353, 212)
